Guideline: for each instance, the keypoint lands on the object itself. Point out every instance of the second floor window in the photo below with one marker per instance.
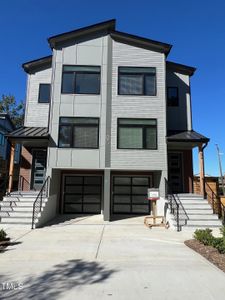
(137, 134)
(172, 96)
(81, 80)
(78, 132)
(44, 93)
(137, 81)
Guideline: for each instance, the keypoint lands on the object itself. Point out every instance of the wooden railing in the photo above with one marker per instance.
(213, 199)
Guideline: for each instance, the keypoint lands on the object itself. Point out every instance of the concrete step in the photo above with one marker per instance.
(20, 214)
(206, 223)
(202, 217)
(16, 219)
(192, 201)
(17, 208)
(196, 206)
(187, 195)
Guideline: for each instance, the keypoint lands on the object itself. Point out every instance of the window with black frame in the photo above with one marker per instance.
(137, 134)
(78, 132)
(137, 81)
(44, 93)
(81, 80)
(172, 96)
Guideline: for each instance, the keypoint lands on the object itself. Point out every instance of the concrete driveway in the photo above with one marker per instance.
(85, 258)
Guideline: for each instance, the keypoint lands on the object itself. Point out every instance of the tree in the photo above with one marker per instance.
(15, 110)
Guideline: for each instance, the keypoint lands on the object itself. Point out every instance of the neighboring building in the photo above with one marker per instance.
(6, 126)
(107, 116)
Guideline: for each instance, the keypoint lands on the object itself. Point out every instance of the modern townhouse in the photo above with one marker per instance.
(107, 116)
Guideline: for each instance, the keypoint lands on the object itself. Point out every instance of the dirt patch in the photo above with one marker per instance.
(208, 252)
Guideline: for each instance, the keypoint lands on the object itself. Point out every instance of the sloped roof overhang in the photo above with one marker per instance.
(37, 64)
(185, 139)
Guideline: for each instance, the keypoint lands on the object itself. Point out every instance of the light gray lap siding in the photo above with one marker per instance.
(179, 117)
(36, 114)
(139, 107)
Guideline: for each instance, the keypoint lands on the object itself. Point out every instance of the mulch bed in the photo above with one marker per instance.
(208, 252)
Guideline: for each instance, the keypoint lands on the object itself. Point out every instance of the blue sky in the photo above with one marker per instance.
(196, 29)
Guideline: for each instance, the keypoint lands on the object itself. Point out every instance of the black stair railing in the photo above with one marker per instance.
(37, 206)
(176, 207)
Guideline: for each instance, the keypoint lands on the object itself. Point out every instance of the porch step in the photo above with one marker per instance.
(199, 212)
(17, 208)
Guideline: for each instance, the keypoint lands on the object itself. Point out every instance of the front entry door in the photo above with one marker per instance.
(175, 172)
(38, 169)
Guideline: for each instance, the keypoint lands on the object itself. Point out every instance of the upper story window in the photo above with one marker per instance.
(44, 93)
(81, 80)
(137, 81)
(172, 96)
(78, 132)
(137, 134)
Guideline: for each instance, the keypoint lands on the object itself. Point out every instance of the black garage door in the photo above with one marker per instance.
(82, 194)
(130, 195)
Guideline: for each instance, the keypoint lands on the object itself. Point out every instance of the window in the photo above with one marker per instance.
(172, 96)
(137, 134)
(78, 132)
(81, 80)
(44, 93)
(137, 81)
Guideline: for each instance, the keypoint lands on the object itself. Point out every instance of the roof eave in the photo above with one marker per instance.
(141, 42)
(33, 65)
(184, 69)
(106, 26)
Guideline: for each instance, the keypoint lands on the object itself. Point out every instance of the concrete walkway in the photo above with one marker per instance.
(86, 258)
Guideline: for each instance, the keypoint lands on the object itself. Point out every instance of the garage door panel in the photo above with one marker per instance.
(139, 199)
(92, 180)
(143, 190)
(122, 180)
(117, 208)
(122, 189)
(91, 208)
(82, 194)
(73, 208)
(130, 194)
(89, 189)
(77, 189)
(92, 198)
(74, 180)
(73, 198)
(140, 181)
(140, 208)
(121, 199)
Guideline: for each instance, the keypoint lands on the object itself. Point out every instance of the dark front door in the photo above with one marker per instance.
(129, 195)
(38, 169)
(82, 194)
(175, 172)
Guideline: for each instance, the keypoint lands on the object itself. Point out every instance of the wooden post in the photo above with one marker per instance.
(201, 170)
(154, 212)
(11, 167)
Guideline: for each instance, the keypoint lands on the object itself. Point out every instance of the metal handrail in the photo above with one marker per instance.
(175, 206)
(214, 199)
(37, 205)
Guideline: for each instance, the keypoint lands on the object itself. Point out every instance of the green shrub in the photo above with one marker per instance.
(2, 235)
(204, 236)
(222, 230)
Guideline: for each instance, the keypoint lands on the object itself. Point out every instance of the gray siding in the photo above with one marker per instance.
(139, 107)
(179, 118)
(92, 52)
(36, 114)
